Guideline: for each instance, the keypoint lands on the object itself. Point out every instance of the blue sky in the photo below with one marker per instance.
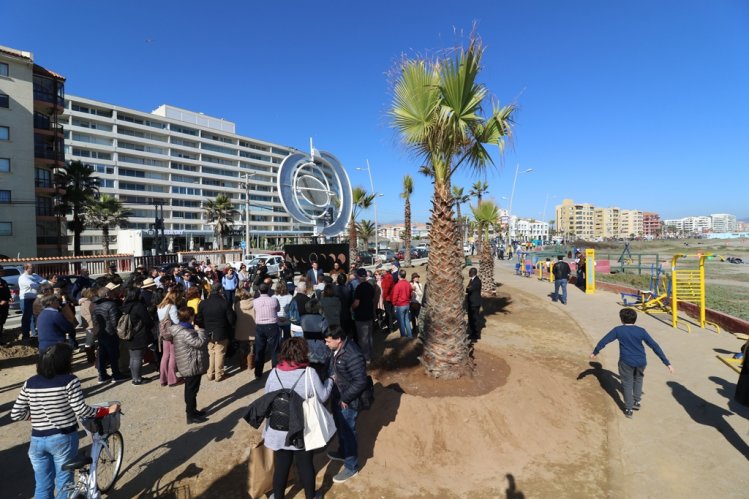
(636, 104)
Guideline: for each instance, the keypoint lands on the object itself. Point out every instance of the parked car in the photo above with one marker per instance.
(419, 253)
(467, 250)
(273, 262)
(386, 256)
(364, 258)
(11, 277)
(401, 254)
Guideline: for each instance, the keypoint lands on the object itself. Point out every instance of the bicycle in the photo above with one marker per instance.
(98, 471)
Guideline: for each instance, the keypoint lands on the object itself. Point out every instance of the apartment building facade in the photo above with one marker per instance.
(31, 153)
(575, 220)
(631, 224)
(723, 222)
(177, 159)
(606, 223)
(651, 224)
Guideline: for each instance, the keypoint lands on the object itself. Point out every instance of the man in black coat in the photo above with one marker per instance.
(106, 314)
(218, 319)
(348, 369)
(561, 271)
(473, 305)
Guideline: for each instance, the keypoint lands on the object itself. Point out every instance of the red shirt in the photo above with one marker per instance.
(387, 286)
(401, 293)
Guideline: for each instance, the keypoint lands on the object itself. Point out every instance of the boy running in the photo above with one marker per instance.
(631, 356)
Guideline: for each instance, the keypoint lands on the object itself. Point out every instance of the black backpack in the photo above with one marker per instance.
(278, 416)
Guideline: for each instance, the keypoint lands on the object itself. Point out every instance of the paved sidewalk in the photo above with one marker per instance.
(689, 439)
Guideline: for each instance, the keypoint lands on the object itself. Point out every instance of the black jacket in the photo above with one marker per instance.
(349, 370)
(287, 274)
(259, 410)
(216, 317)
(143, 335)
(79, 285)
(561, 270)
(106, 314)
(473, 292)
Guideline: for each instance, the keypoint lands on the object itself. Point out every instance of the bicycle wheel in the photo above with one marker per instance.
(109, 462)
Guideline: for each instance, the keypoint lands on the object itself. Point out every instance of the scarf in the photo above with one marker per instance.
(291, 366)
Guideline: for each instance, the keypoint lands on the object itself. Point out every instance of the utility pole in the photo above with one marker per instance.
(247, 177)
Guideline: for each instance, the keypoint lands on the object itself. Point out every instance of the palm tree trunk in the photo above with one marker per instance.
(447, 350)
(76, 232)
(461, 230)
(105, 235)
(407, 256)
(486, 265)
(352, 240)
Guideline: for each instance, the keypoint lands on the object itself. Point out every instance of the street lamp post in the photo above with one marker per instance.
(374, 203)
(512, 196)
(247, 177)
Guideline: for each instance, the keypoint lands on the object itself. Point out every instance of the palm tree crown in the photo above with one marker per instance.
(361, 200)
(220, 212)
(106, 213)
(79, 185)
(438, 111)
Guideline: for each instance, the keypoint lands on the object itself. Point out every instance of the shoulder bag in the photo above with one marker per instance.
(319, 426)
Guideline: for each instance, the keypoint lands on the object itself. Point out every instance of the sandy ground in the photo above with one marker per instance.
(537, 421)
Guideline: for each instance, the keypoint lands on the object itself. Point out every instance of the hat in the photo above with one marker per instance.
(361, 272)
(112, 286)
(147, 283)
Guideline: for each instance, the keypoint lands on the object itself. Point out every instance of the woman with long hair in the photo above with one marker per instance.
(293, 362)
(191, 353)
(142, 332)
(51, 400)
(168, 367)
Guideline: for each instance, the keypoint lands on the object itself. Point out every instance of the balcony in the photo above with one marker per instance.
(48, 153)
(49, 98)
(42, 125)
(47, 240)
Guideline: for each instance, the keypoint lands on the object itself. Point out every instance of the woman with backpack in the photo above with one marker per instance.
(167, 314)
(289, 374)
(142, 328)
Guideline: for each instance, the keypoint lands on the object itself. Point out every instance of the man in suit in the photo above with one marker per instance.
(473, 305)
(315, 274)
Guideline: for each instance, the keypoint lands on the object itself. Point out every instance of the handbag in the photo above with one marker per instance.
(261, 470)
(319, 426)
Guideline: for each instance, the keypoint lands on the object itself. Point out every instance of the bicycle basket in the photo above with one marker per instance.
(108, 424)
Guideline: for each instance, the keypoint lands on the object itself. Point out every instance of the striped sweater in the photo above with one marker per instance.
(52, 404)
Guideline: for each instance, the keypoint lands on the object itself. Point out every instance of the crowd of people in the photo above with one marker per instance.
(196, 321)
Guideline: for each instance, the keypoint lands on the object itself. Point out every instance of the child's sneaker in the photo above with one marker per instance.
(636, 406)
(628, 413)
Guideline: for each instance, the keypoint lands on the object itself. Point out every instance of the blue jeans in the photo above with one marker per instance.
(563, 284)
(345, 422)
(47, 455)
(404, 320)
(27, 319)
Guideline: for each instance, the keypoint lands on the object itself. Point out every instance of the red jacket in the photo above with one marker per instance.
(401, 293)
(387, 286)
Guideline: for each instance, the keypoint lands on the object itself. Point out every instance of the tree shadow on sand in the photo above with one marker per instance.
(608, 380)
(703, 412)
(491, 305)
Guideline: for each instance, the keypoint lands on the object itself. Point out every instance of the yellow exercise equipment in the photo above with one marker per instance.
(688, 284)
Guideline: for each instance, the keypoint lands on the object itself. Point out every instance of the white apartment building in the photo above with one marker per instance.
(723, 222)
(393, 232)
(529, 230)
(179, 159)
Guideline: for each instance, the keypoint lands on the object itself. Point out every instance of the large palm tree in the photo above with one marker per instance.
(437, 109)
(365, 229)
(460, 197)
(80, 186)
(408, 189)
(220, 212)
(486, 215)
(106, 212)
(361, 200)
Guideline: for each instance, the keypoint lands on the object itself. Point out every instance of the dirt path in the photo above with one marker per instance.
(552, 423)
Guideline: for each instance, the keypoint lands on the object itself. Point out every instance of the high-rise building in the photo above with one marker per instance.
(177, 158)
(631, 224)
(651, 224)
(606, 223)
(723, 222)
(31, 151)
(575, 220)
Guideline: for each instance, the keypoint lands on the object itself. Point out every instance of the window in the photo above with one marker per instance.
(6, 228)
(4, 165)
(4, 133)
(4, 197)
(4, 100)
(4, 69)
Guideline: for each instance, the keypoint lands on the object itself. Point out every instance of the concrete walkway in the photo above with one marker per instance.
(689, 439)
